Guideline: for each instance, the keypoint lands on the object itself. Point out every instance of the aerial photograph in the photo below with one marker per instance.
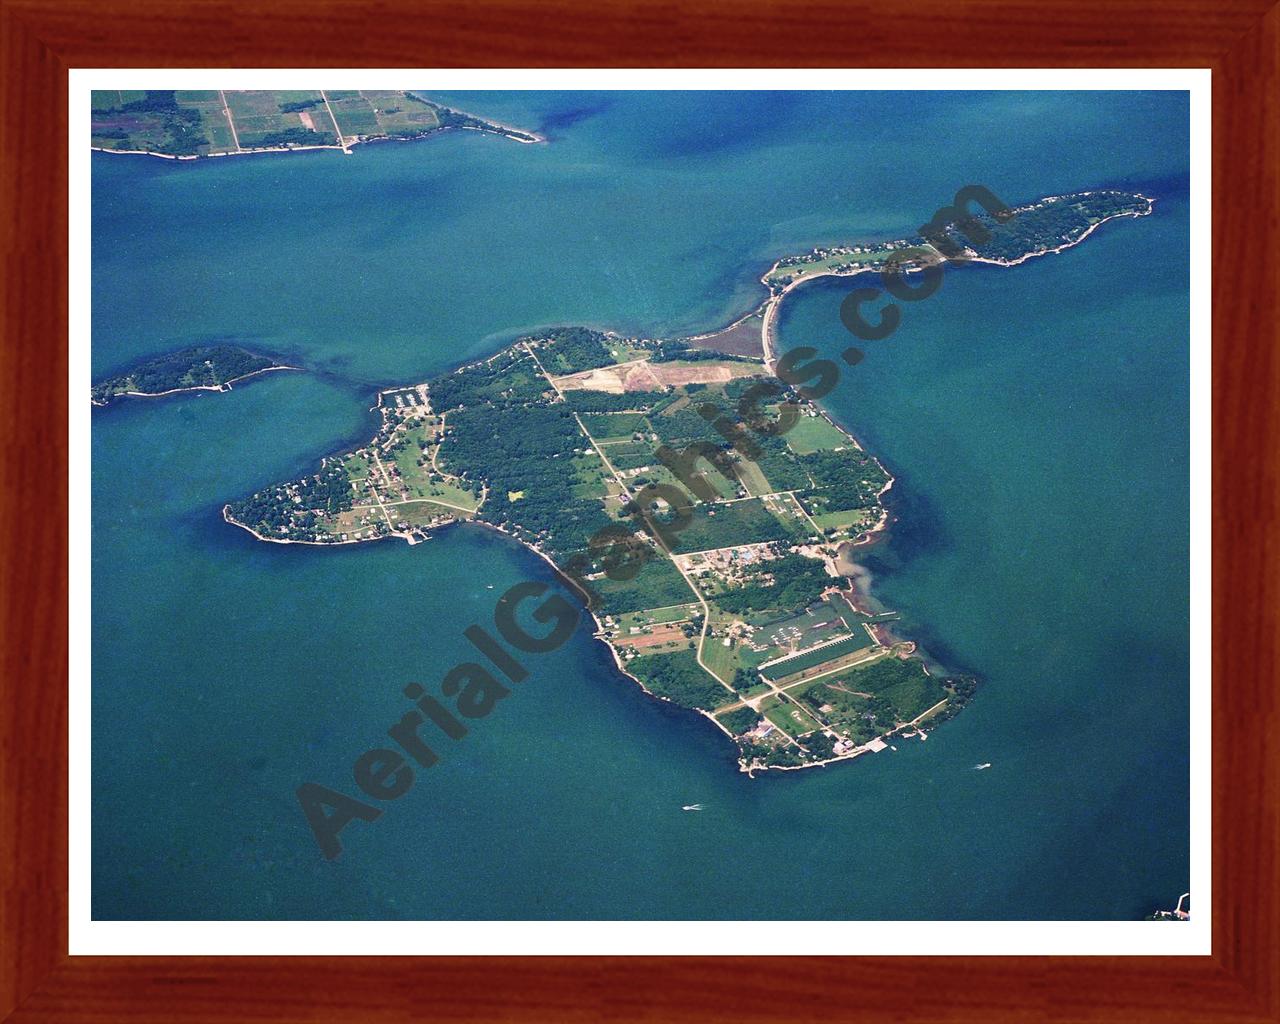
(640, 505)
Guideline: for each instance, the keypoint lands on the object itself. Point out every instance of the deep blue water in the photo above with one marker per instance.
(1036, 419)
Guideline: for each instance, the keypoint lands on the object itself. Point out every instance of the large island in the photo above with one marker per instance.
(743, 608)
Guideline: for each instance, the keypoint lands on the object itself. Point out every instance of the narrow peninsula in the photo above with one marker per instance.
(192, 123)
(1042, 228)
(202, 368)
(741, 603)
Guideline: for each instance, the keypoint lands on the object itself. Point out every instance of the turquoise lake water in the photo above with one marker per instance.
(1035, 417)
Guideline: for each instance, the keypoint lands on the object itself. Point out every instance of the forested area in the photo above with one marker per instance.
(843, 480)
(296, 506)
(524, 453)
(1047, 226)
(288, 137)
(787, 584)
(680, 678)
(669, 350)
(157, 112)
(509, 376)
(740, 721)
(602, 401)
(565, 350)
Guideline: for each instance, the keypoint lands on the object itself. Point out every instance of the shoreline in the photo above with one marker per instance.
(224, 386)
(524, 138)
(422, 533)
(768, 310)
(768, 307)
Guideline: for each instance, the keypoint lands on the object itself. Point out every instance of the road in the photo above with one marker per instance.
(227, 110)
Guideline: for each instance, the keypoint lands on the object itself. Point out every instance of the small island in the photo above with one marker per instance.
(751, 614)
(201, 368)
(192, 123)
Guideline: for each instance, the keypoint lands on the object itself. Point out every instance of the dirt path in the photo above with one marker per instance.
(336, 130)
(227, 110)
(706, 608)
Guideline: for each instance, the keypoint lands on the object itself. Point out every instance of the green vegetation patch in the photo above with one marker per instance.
(658, 583)
(567, 350)
(788, 716)
(152, 121)
(815, 434)
(787, 584)
(874, 698)
(603, 401)
(844, 481)
(680, 678)
(812, 659)
(1050, 224)
(631, 455)
(508, 377)
(614, 426)
(730, 524)
(200, 366)
(740, 720)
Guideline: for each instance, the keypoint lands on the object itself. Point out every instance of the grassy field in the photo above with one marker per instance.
(421, 513)
(753, 478)
(720, 659)
(589, 476)
(659, 616)
(611, 426)
(815, 434)
(659, 475)
(416, 472)
(892, 689)
(788, 716)
(854, 520)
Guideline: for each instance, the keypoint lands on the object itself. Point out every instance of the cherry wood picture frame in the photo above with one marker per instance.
(41, 39)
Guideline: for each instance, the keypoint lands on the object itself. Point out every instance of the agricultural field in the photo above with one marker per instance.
(195, 122)
(268, 119)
